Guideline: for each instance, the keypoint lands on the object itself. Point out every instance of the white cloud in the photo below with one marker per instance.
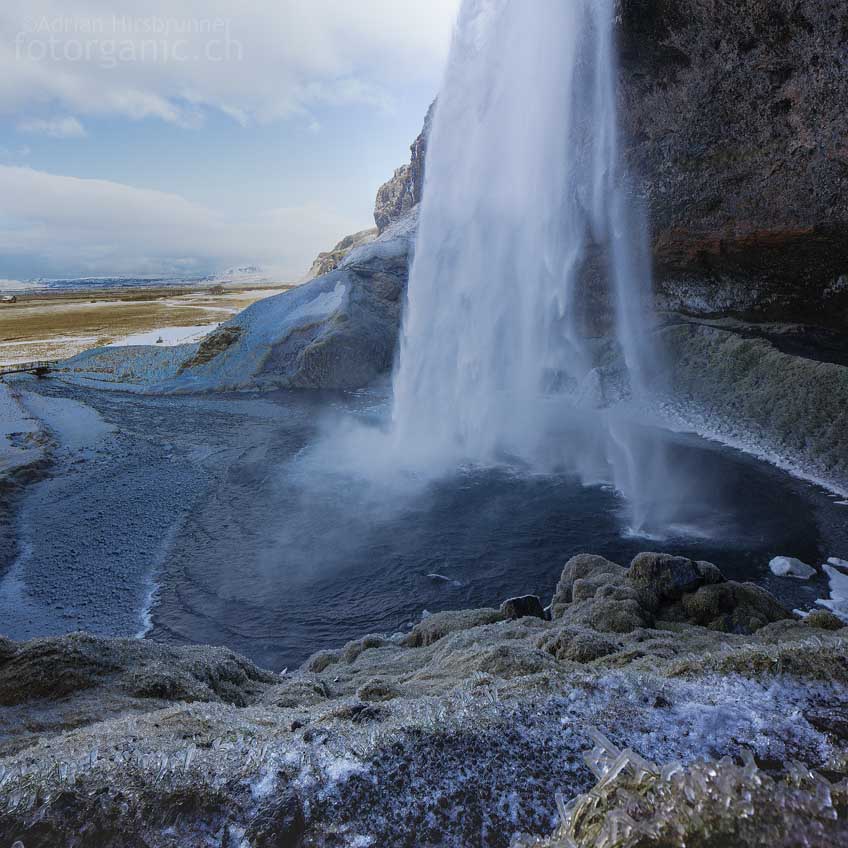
(65, 225)
(69, 127)
(261, 61)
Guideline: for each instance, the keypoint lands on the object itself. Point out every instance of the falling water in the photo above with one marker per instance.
(525, 193)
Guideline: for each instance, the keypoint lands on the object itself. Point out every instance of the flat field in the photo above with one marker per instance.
(56, 325)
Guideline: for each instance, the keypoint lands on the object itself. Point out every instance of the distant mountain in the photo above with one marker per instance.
(242, 271)
(237, 275)
(246, 275)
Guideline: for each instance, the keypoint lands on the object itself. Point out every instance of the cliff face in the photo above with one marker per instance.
(736, 134)
(403, 191)
(330, 260)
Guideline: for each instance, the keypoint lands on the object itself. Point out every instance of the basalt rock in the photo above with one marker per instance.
(583, 566)
(734, 126)
(441, 624)
(210, 346)
(731, 607)
(748, 392)
(527, 605)
(278, 824)
(404, 190)
(661, 579)
(329, 261)
(577, 644)
(60, 667)
(824, 620)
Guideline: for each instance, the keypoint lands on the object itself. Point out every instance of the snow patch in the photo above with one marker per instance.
(167, 336)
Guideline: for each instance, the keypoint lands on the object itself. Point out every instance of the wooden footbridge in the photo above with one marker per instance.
(40, 369)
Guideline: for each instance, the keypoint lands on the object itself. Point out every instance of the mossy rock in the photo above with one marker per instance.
(583, 567)
(824, 620)
(440, 624)
(733, 607)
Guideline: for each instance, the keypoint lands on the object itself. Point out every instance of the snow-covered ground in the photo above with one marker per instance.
(167, 336)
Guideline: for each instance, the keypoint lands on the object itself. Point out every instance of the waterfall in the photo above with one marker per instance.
(525, 194)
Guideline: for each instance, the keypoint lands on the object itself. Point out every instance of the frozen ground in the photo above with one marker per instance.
(19, 432)
(461, 743)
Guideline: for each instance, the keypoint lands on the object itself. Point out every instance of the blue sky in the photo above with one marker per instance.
(191, 135)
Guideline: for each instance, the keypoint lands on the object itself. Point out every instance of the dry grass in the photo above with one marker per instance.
(57, 325)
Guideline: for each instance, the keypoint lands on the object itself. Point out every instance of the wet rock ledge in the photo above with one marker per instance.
(687, 701)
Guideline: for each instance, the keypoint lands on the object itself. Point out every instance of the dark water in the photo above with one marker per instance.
(258, 543)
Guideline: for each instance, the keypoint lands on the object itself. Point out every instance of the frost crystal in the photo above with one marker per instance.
(636, 804)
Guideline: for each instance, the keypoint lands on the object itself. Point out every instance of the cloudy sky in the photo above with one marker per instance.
(185, 136)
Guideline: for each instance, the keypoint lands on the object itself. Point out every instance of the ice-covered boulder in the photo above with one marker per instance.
(338, 331)
(784, 566)
(837, 603)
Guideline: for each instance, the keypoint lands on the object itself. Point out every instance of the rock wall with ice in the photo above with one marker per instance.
(790, 410)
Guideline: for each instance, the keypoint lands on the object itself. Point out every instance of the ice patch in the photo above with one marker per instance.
(150, 600)
(837, 603)
(784, 566)
(265, 784)
(440, 578)
(18, 432)
(77, 426)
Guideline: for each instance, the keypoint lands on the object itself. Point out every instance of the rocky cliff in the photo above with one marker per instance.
(736, 134)
(404, 190)
(330, 260)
